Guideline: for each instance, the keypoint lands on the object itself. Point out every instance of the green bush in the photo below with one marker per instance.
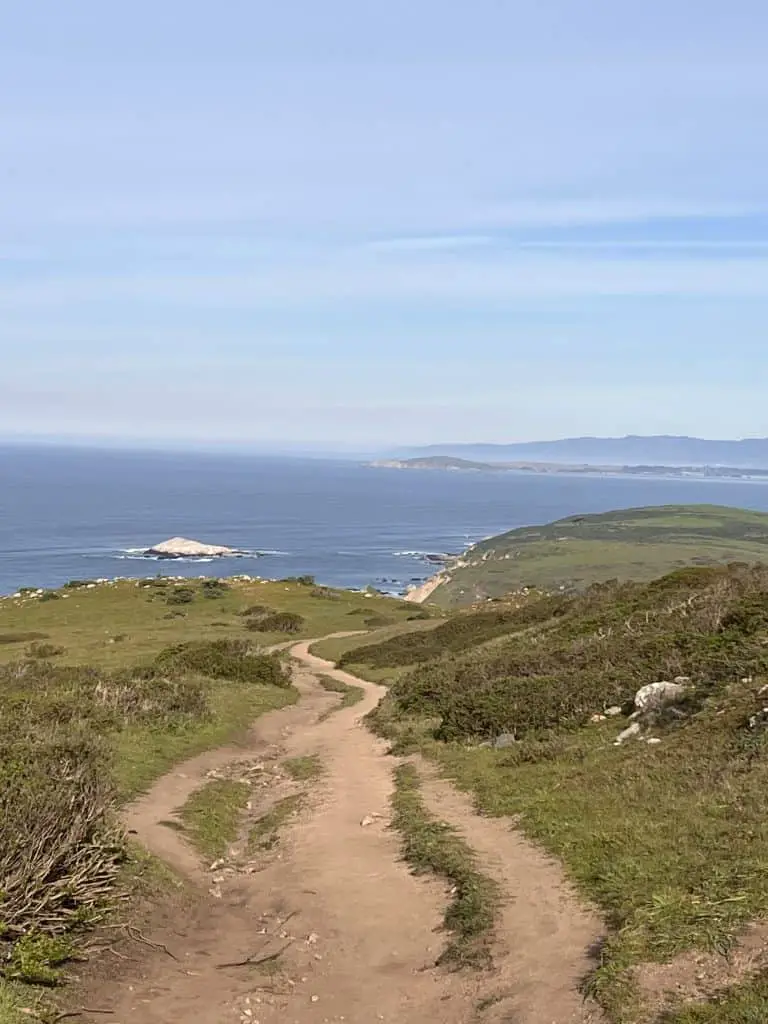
(277, 622)
(50, 595)
(214, 588)
(225, 659)
(180, 595)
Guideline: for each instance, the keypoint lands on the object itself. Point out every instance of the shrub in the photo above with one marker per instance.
(50, 595)
(462, 631)
(181, 595)
(225, 659)
(77, 584)
(59, 850)
(277, 622)
(214, 588)
(39, 650)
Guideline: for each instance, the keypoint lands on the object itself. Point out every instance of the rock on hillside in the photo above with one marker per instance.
(180, 547)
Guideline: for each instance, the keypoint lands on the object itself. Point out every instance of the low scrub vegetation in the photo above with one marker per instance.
(669, 839)
(225, 659)
(455, 635)
(62, 732)
(276, 622)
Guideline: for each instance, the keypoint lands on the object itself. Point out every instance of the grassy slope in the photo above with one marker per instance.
(337, 648)
(670, 840)
(628, 544)
(116, 627)
(87, 623)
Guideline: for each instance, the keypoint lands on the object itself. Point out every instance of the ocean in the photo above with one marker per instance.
(69, 513)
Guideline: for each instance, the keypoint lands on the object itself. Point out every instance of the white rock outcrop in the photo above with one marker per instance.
(659, 695)
(181, 547)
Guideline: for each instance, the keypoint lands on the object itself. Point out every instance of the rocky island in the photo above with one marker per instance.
(181, 547)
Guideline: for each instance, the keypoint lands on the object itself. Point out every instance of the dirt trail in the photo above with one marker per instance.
(545, 933)
(357, 934)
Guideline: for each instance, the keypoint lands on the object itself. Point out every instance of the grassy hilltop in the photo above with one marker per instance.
(629, 544)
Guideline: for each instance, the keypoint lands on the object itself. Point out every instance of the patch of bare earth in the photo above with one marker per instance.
(696, 976)
(329, 925)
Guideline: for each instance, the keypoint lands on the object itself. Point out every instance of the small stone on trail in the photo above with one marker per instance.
(367, 820)
(597, 718)
(612, 712)
(653, 740)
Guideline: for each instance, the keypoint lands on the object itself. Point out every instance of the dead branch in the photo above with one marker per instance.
(254, 961)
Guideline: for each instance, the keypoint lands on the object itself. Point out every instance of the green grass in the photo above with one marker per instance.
(302, 769)
(637, 544)
(431, 846)
(212, 816)
(265, 833)
(335, 649)
(14, 998)
(350, 695)
(144, 754)
(88, 622)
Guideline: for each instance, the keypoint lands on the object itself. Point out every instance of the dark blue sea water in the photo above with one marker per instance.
(73, 514)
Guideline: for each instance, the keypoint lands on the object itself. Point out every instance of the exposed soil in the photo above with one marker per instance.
(349, 934)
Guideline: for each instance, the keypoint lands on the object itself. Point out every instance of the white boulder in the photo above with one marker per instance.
(659, 695)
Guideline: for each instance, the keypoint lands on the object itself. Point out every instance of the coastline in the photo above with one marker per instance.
(420, 593)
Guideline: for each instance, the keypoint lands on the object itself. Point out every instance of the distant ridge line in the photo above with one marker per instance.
(633, 449)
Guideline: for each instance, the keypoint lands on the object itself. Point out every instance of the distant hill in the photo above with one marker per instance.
(660, 450)
(635, 544)
(448, 462)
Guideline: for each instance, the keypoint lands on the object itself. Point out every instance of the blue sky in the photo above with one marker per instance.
(355, 224)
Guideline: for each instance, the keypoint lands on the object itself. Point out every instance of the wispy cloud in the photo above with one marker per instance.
(384, 277)
(430, 243)
(600, 211)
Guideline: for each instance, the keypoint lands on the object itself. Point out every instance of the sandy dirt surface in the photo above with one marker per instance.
(330, 925)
